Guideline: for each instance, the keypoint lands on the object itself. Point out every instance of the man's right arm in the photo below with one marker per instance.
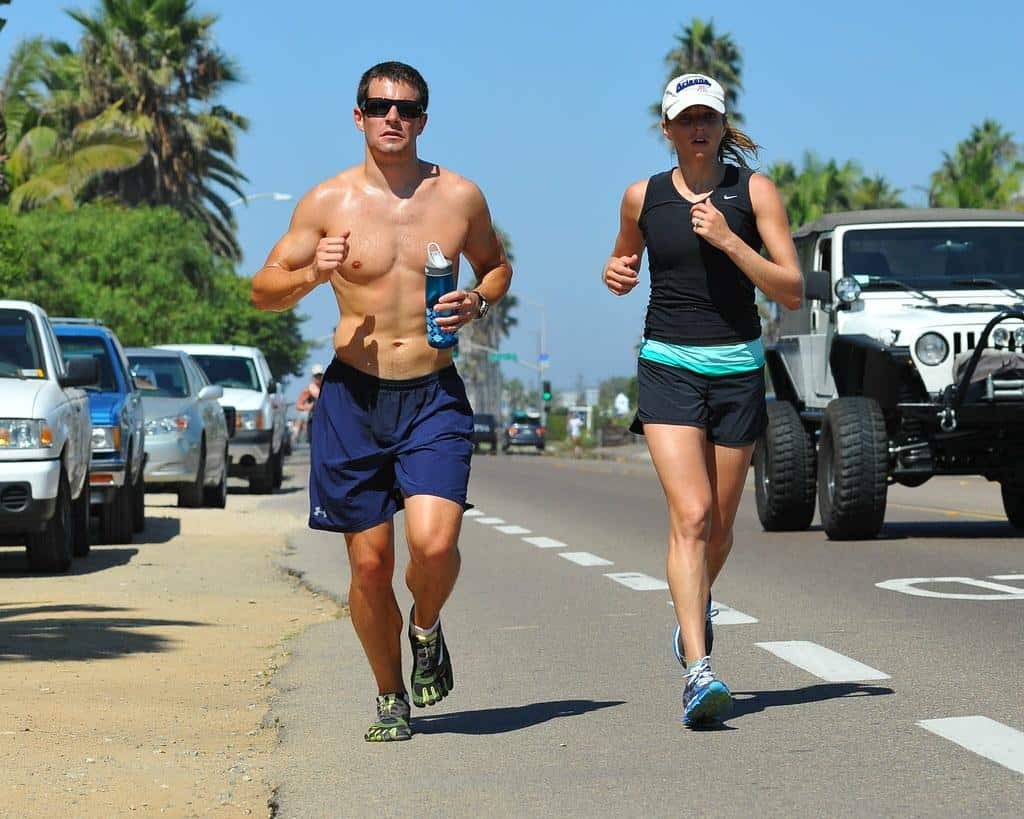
(301, 260)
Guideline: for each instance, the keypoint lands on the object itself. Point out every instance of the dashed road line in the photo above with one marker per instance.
(490, 521)
(512, 530)
(637, 581)
(822, 662)
(585, 559)
(546, 543)
(472, 513)
(983, 736)
(723, 615)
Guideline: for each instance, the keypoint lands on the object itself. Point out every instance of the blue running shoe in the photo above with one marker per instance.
(709, 637)
(705, 698)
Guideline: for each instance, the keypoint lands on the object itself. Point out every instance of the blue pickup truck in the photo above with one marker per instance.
(118, 428)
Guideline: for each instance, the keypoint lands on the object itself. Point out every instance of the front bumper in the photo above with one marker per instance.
(171, 459)
(28, 495)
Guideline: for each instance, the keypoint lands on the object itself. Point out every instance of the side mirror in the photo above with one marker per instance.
(230, 420)
(211, 391)
(272, 388)
(81, 372)
(819, 286)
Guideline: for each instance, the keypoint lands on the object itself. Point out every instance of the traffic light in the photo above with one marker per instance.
(545, 393)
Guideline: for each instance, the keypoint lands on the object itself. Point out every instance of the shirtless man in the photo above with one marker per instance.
(393, 426)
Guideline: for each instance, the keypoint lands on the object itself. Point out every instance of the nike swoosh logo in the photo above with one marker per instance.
(731, 197)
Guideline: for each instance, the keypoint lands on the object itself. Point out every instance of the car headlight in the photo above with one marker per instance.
(106, 438)
(167, 425)
(24, 433)
(249, 419)
(847, 290)
(931, 349)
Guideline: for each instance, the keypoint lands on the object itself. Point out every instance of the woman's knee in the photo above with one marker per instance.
(690, 521)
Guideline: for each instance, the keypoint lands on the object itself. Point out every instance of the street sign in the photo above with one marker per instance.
(502, 357)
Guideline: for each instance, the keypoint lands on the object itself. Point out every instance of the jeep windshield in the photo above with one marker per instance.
(21, 355)
(937, 258)
(229, 371)
(91, 347)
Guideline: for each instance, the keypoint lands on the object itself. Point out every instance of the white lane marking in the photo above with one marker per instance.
(585, 559)
(472, 513)
(637, 581)
(1007, 576)
(822, 662)
(518, 628)
(908, 585)
(490, 521)
(727, 615)
(985, 737)
(513, 530)
(546, 543)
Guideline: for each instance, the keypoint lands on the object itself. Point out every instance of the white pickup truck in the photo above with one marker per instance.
(45, 441)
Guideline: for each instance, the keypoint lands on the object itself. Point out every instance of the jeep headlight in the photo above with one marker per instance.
(106, 438)
(1000, 336)
(1018, 337)
(847, 290)
(24, 433)
(931, 349)
(249, 420)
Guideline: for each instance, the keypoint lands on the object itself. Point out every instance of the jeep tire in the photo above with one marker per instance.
(853, 462)
(1013, 504)
(50, 550)
(784, 468)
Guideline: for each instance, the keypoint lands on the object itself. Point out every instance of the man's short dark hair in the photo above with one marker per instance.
(396, 72)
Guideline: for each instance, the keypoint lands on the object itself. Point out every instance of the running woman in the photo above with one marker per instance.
(392, 427)
(700, 370)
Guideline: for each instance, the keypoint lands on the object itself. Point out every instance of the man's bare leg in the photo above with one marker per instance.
(372, 604)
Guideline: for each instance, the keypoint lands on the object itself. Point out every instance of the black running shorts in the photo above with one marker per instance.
(731, 408)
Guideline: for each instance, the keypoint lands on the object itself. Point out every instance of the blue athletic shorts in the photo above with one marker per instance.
(376, 441)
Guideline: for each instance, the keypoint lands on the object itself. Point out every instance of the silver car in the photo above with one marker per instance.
(186, 431)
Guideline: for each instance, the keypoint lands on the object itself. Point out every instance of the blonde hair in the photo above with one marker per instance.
(736, 145)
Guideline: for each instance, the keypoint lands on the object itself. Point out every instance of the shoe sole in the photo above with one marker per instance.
(711, 704)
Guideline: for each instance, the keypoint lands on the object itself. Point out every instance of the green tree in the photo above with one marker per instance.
(983, 172)
(699, 49)
(158, 61)
(148, 273)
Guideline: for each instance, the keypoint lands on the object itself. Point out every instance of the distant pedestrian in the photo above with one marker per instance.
(306, 402)
(700, 370)
(576, 435)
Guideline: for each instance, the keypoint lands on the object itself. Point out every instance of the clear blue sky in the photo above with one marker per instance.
(544, 105)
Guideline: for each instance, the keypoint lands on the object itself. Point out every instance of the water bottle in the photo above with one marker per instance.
(440, 280)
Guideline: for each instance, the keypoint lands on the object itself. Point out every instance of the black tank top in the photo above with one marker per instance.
(698, 295)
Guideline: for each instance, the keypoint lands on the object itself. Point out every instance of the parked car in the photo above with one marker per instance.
(118, 447)
(905, 360)
(45, 441)
(256, 451)
(524, 429)
(485, 431)
(186, 431)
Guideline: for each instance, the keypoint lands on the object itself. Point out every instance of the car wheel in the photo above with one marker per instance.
(80, 544)
(190, 496)
(216, 497)
(139, 503)
(784, 480)
(51, 549)
(1013, 504)
(116, 517)
(262, 483)
(278, 470)
(853, 465)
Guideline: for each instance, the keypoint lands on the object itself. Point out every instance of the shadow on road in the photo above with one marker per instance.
(751, 702)
(503, 720)
(158, 530)
(77, 638)
(951, 530)
(14, 562)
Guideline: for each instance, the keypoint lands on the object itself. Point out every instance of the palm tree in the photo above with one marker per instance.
(983, 172)
(700, 50)
(158, 61)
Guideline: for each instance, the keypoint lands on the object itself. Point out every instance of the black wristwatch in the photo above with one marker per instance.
(484, 304)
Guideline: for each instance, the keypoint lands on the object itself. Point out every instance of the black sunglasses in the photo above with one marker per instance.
(380, 106)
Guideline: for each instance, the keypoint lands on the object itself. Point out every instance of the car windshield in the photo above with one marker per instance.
(230, 371)
(21, 355)
(90, 347)
(159, 377)
(936, 258)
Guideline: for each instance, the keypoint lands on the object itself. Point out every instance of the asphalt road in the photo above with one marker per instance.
(851, 699)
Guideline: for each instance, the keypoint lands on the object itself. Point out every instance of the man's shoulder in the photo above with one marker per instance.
(339, 184)
(454, 184)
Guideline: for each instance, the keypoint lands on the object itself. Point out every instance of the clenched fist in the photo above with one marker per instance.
(620, 274)
(331, 252)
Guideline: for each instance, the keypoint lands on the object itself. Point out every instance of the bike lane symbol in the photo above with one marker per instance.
(995, 591)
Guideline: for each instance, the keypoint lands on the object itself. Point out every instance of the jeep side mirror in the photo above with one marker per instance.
(819, 286)
(81, 372)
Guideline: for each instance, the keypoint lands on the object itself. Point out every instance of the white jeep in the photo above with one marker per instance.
(45, 440)
(905, 360)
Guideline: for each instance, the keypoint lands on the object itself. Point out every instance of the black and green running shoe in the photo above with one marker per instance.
(432, 679)
(392, 723)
